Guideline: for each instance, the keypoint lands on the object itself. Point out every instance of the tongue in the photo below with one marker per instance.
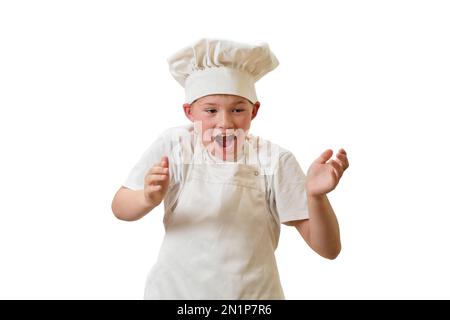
(224, 141)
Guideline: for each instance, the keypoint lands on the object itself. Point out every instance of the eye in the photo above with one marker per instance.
(211, 111)
(237, 110)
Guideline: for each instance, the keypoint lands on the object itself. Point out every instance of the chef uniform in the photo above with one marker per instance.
(222, 219)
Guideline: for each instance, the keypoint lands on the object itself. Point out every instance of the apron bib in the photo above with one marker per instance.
(220, 236)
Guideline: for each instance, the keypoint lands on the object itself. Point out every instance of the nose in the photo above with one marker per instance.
(225, 121)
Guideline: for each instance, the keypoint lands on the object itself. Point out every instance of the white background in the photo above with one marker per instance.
(85, 88)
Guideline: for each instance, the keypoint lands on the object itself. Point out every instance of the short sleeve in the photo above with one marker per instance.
(288, 192)
(163, 146)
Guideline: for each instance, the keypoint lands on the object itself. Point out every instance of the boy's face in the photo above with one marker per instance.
(224, 121)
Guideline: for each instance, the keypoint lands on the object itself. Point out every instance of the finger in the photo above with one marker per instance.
(324, 157)
(159, 177)
(153, 188)
(149, 179)
(341, 163)
(337, 167)
(341, 155)
(341, 150)
(156, 178)
(159, 170)
(165, 162)
(343, 160)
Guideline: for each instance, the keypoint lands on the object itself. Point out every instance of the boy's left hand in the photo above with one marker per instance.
(324, 174)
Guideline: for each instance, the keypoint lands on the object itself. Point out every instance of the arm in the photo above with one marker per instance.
(321, 230)
(131, 205)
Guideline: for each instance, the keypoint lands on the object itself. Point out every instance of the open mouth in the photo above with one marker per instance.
(225, 141)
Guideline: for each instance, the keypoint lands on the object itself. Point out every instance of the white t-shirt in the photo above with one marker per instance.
(285, 180)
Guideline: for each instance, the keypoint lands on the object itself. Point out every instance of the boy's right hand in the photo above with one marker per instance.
(157, 182)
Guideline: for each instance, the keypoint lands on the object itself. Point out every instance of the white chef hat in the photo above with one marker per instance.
(217, 66)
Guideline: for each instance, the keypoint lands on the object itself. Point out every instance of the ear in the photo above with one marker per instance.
(255, 109)
(188, 111)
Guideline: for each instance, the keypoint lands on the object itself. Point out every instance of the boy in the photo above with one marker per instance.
(225, 191)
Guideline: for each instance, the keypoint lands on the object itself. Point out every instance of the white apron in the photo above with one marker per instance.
(220, 237)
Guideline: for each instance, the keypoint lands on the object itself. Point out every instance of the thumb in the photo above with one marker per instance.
(165, 162)
(324, 157)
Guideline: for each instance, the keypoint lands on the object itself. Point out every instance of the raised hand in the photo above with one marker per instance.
(157, 182)
(324, 174)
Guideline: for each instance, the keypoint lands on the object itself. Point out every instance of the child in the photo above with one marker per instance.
(225, 191)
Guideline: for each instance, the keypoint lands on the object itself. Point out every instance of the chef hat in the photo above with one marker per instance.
(217, 66)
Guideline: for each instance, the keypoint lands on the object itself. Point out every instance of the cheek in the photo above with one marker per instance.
(244, 122)
(199, 117)
(206, 122)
